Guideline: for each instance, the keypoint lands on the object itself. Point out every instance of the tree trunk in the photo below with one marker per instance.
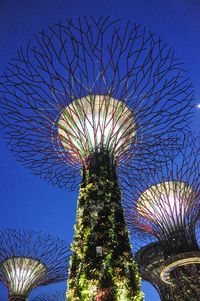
(101, 267)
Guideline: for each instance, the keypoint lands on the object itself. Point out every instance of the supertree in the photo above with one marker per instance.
(55, 296)
(150, 259)
(29, 259)
(166, 207)
(106, 99)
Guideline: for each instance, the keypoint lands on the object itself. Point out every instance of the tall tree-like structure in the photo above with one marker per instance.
(30, 259)
(107, 99)
(150, 259)
(166, 207)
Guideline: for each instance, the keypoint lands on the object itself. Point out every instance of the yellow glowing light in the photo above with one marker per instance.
(96, 121)
(21, 273)
(166, 202)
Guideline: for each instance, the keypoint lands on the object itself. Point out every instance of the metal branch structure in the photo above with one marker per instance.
(29, 259)
(92, 83)
(55, 296)
(166, 207)
(108, 99)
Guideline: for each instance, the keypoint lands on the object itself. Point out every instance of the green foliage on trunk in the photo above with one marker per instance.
(101, 267)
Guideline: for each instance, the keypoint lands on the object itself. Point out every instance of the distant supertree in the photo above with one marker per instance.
(166, 207)
(184, 282)
(150, 259)
(55, 296)
(29, 259)
(106, 99)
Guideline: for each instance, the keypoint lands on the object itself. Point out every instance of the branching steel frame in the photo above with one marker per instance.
(92, 56)
(29, 259)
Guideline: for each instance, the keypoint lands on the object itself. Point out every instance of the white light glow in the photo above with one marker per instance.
(166, 203)
(96, 121)
(22, 273)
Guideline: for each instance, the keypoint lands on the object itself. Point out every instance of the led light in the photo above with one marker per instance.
(166, 203)
(99, 250)
(94, 122)
(21, 273)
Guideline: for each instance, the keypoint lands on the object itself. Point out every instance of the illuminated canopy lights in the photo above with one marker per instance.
(95, 122)
(21, 273)
(29, 259)
(90, 83)
(86, 85)
(166, 203)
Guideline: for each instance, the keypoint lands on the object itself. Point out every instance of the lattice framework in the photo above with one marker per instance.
(29, 259)
(85, 57)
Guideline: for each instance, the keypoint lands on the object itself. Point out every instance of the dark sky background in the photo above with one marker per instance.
(26, 200)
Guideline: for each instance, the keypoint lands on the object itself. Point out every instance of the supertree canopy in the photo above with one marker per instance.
(29, 259)
(107, 99)
(96, 122)
(169, 211)
(168, 206)
(92, 83)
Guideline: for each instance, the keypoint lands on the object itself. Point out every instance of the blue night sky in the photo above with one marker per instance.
(26, 200)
